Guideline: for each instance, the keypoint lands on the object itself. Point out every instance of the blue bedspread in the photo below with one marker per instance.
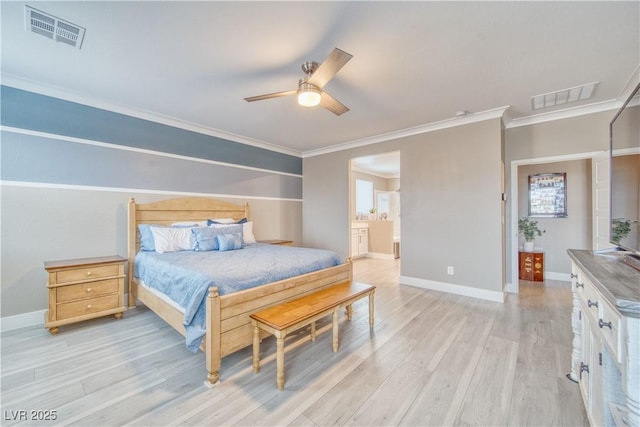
(185, 277)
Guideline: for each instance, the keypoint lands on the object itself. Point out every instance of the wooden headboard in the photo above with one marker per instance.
(166, 212)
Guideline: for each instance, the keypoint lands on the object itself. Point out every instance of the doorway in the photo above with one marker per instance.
(375, 206)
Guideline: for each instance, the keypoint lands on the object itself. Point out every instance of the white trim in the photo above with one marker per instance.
(429, 127)
(56, 92)
(23, 320)
(567, 113)
(511, 288)
(552, 275)
(379, 255)
(467, 291)
(137, 150)
(4, 183)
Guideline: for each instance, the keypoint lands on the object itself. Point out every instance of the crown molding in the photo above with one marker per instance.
(416, 130)
(57, 92)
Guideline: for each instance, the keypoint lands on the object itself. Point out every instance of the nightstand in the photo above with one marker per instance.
(277, 242)
(84, 288)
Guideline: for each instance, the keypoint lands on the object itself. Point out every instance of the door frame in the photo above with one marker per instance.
(513, 283)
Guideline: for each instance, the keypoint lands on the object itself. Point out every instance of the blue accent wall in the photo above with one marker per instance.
(178, 160)
(28, 110)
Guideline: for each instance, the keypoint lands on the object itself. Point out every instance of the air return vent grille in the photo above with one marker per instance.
(54, 28)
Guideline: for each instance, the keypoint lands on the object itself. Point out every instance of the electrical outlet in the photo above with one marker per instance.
(450, 270)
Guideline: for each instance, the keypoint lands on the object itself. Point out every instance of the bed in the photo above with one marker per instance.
(226, 319)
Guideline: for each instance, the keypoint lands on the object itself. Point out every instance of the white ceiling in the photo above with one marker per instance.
(414, 64)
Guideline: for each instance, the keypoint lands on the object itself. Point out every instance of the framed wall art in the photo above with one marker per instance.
(548, 195)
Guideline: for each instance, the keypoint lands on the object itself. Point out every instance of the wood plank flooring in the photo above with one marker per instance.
(432, 359)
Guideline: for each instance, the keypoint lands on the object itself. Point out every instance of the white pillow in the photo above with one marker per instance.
(170, 239)
(247, 233)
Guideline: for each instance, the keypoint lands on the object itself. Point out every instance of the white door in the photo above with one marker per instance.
(600, 177)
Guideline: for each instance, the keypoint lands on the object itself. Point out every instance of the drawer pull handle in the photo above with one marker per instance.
(89, 289)
(579, 285)
(583, 368)
(89, 273)
(602, 324)
(592, 303)
(574, 276)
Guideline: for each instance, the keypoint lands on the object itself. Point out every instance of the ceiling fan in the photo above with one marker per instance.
(309, 90)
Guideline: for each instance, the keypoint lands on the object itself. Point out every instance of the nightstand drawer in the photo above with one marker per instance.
(86, 290)
(87, 273)
(89, 306)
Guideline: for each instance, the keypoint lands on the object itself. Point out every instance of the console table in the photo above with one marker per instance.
(606, 344)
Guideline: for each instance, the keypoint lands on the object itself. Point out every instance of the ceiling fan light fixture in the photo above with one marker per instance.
(308, 94)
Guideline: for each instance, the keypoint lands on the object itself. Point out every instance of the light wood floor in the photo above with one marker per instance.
(433, 359)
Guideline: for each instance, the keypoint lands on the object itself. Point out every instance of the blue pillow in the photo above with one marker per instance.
(146, 238)
(229, 242)
(205, 237)
(213, 221)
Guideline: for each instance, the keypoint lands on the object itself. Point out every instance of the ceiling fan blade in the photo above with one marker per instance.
(331, 65)
(332, 104)
(270, 95)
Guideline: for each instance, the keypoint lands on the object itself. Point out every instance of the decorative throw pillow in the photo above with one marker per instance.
(229, 242)
(205, 237)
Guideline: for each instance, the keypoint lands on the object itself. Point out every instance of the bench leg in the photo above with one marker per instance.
(256, 347)
(371, 310)
(335, 330)
(280, 361)
(349, 312)
(313, 331)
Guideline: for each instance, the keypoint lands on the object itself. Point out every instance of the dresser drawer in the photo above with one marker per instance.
(87, 273)
(88, 306)
(86, 290)
(610, 323)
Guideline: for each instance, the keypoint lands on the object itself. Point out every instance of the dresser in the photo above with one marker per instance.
(605, 357)
(84, 288)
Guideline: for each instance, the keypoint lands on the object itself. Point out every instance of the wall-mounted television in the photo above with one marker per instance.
(624, 131)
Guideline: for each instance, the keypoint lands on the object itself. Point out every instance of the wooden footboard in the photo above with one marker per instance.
(228, 323)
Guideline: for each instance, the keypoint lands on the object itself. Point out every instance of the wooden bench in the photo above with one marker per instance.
(279, 320)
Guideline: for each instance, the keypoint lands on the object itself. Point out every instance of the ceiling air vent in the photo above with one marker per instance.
(54, 28)
(564, 96)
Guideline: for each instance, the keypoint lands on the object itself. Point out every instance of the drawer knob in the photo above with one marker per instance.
(89, 273)
(583, 368)
(574, 276)
(592, 304)
(579, 285)
(88, 306)
(602, 324)
(89, 289)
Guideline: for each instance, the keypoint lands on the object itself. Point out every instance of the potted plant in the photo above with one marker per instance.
(529, 230)
(620, 228)
(372, 214)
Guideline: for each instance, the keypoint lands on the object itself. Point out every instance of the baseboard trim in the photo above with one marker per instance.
(380, 255)
(23, 320)
(512, 288)
(467, 291)
(563, 277)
